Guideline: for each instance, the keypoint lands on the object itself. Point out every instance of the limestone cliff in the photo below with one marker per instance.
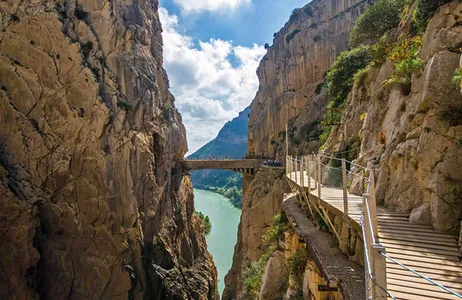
(413, 138)
(261, 201)
(293, 70)
(93, 201)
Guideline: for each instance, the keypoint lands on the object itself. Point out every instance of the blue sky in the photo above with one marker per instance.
(212, 49)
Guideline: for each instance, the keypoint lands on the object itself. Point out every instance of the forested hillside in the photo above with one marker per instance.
(231, 142)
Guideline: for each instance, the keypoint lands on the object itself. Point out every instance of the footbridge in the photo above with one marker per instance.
(402, 260)
(243, 166)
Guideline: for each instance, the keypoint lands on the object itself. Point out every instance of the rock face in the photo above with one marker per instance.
(413, 141)
(262, 200)
(275, 278)
(94, 204)
(294, 69)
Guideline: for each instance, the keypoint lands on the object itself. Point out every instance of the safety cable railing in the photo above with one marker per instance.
(338, 180)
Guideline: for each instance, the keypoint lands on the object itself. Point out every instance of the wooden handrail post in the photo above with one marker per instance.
(345, 187)
(289, 164)
(302, 177)
(367, 239)
(379, 266)
(295, 169)
(308, 162)
(373, 206)
(318, 159)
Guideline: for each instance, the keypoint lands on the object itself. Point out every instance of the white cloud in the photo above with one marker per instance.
(209, 90)
(209, 5)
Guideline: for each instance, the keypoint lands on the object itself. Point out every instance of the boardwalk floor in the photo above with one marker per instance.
(332, 262)
(432, 253)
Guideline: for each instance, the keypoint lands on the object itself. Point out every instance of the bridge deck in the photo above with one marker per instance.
(222, 164)
(432, 253)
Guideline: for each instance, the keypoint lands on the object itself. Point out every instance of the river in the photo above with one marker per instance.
(221, 240)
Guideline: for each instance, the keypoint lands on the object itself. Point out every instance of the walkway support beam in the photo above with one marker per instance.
(345, 187)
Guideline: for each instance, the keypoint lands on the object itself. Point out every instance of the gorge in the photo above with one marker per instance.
(96, 195)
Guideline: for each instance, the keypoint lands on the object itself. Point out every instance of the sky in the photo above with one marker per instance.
(212, 49)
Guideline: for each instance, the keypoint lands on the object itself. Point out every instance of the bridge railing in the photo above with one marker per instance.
(332, 179)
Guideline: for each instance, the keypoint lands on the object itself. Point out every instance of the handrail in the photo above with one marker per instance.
(423, 276)
(374, 252)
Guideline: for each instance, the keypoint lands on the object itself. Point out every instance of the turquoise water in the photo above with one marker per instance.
(221, 240)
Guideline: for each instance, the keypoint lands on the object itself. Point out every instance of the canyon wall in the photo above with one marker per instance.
(293, 70)
(413, 138)
(93, 201)
(261, 202)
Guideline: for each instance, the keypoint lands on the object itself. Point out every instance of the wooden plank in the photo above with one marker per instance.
(414, 279)
(430, 265)
(421, 250)
(422, 245)
(424, 286)
(449, 258)
(435, 277)
(408, 293)
(419, 239)
(416, 231)
(421, 258)
(403, 224)
(431, 273)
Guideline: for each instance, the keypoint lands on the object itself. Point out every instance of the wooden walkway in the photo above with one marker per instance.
(431, 253)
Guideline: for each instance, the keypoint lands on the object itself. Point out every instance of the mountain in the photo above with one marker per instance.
(231, 142)
(90, 147)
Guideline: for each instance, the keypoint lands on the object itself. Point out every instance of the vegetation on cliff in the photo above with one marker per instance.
(205, 222)
(253, 274)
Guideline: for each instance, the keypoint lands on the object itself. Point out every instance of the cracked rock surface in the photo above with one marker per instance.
(93, 201)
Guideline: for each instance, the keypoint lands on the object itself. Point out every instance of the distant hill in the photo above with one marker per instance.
(232, 142)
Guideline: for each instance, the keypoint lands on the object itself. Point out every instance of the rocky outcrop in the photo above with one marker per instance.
(291, 74)
(261, 202)
(275, 278)
(93, 201)
(413, 140)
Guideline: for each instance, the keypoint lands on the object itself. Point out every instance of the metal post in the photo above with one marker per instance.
(318, 158)
(345, 188)
(287, 139)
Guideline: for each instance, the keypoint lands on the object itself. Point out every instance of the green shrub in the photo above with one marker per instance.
(325, 132)
(378, 19)
(276, 230)
(340, 77)
(205, 222)
(291, 35)
(317, 38)
(360, 76)
(320, 87)
(406, 60)
(253, 274)
(297, 263)
(124, 105)
(424, 10)
(167, 111)
(457, 78)
(381, 50)
(267, 46)
(308, 10)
